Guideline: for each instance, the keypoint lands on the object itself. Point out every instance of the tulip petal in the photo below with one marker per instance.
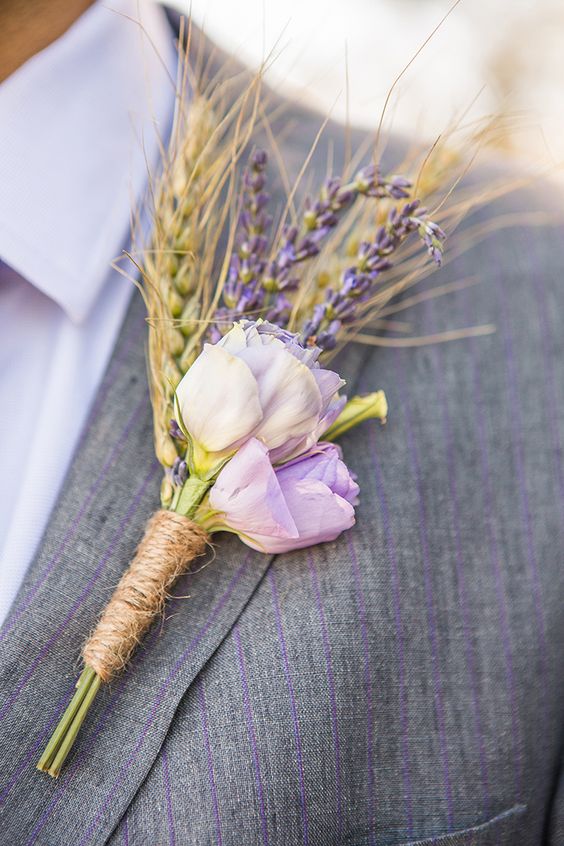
(297, 446)
(219, 400)
(323, 463)
(328, 383)
(235, 340)
(319, 515)
(248, 495)
(289, 396)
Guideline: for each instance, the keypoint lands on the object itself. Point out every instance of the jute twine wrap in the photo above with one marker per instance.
(169, 544)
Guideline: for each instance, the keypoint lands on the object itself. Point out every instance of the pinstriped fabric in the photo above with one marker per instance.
(73, 774)
(158, 702)
(293, 708)
(252, 735)
(554, 401)
(124, 765)
(399, 631)
(332, 693)
(400, 685)
(553, 387)
(209, 757)
(517, 437)
(494, 554)
(432, 628)
(35, 750)
(294, 733)
(168, 798)
(362, 624)
(459, 563)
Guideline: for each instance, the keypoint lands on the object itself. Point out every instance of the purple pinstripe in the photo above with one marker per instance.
(516, 427)
(85, 593)
(428, 586)
(158, 700)
(125, 831)
(368, 687)
(331, 689)
(489, 510)
(73, 526)
(400, 637)
(168, 798)
(211, 773)
(39, 743)
(252, 733)
(74, 767)
(461, 580)
(550, 381)
(293, 708)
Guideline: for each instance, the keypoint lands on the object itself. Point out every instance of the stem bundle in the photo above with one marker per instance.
(170, 543)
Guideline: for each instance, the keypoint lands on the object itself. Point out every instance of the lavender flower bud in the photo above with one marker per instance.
(176, 432)
(259, 159)
(179, 472)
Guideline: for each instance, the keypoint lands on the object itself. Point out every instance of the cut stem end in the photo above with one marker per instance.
(62, 739)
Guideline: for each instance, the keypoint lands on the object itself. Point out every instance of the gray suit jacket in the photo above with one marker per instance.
(401, 685)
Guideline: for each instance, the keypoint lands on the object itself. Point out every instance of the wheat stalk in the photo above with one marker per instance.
(182, 270)
(194, 210)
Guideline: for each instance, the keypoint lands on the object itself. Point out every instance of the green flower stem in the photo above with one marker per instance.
(87, 680)
(70, 735)
(357, 410)
(186, 501)
(190, 495)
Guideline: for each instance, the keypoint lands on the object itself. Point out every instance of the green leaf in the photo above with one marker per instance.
(358, 409)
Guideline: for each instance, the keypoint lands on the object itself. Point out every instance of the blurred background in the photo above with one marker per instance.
(490, 56)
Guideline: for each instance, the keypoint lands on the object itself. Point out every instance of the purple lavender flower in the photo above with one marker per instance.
(358, 282)
(259, 285)
(243, 292)
(321, 216)
(179, 471)
(369, 182)
(280, 310)
(176, 432)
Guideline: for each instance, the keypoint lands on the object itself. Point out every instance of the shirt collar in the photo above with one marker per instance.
(80, 126)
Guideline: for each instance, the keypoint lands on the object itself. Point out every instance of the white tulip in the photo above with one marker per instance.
(257, 382)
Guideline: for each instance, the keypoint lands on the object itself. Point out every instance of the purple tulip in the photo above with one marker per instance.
(308, 500)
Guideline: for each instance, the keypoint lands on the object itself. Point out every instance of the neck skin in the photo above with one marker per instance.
(28, 26)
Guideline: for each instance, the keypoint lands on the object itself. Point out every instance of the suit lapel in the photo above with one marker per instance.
(112, 488)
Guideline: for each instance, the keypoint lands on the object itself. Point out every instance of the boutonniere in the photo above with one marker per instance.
(245, 315)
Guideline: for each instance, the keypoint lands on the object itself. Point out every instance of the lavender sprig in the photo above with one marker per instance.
(321, 216)
(243, 291)
(176, 432)
(358, 282)
(256, 284)
(179, 472)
